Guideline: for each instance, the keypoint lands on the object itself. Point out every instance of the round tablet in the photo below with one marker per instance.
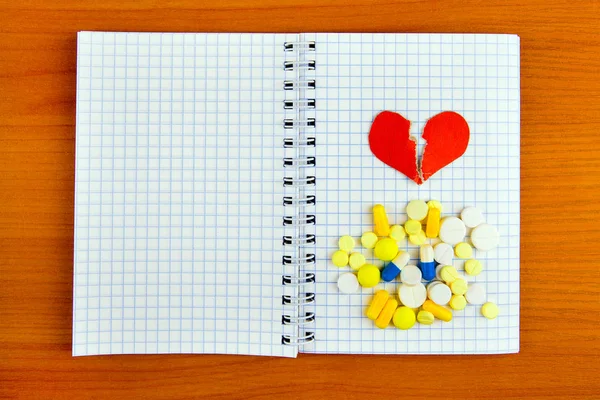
(473, 267)
(346, 243)
(449, 274)
(397, 233)
(347, 283)
(412, 227)
(356, 260)
(368, 240)
(463, 250)
(459, 286)
(489, 310)
(368, 276)
(386, 249)
(452, 230)
(412, 296)
(425, 317)
(443, 253)
(485, 237)
(418, 239)
(472, 217)
(417, 210)
(340, 258)
(438, 272)
(439, 293)
(411, 275)
(475, 294)
(404, 318)
(458, 302)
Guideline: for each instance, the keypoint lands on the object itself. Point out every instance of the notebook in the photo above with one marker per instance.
(215, 173)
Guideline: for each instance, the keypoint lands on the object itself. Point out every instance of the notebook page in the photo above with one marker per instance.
(178, 202)
(417, 75)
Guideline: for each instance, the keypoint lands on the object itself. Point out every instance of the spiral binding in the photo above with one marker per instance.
(298, 220)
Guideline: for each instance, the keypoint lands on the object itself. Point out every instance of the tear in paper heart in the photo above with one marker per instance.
(447, 136)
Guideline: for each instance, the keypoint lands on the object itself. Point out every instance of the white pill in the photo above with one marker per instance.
(472, 217)
(411, 275)
(452, 230)
(475, 294)
(426, 253)
(348, 283)
(443, 253)
(439, 293)
(485, 237)
(412, 296)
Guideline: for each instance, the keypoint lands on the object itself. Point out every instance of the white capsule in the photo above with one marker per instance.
(426, 253)
(443, 253)
(401, 259)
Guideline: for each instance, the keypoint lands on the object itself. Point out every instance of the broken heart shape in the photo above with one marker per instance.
(446, 134)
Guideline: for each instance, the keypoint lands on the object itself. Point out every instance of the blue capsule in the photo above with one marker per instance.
(392, 270)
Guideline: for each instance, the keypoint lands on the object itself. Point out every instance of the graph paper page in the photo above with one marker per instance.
(178, 204)
(418, 76)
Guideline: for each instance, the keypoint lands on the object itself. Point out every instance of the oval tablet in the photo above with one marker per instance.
(475, 294)
(411, 275)
(443, 253)
(347, 283)
(472, 217)
(485, 237)
(412, 296)
(452, 230)
(417, 210)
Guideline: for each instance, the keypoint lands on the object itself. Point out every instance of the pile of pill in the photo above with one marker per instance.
(432, 287)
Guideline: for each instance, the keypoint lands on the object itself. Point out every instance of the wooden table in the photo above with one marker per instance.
(560, 267)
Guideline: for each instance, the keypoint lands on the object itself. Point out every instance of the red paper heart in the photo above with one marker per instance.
(447, 136)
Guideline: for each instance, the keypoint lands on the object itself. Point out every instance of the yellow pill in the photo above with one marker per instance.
(458, 302)
(385, 316)
(380, 219)
(473, 267)
(404, 318)
(368, 275)
(459, 286)
(417, 210)
(449, 274)
(412, 227)
(434, 204)
(425, 317)
(489, 310)
(340, 258)
(397, 233)
(377, 304)
(386, 249)
(356, 260)
(346, 243)
(432, 229)
(438, 311)
(368, 240)
(463, 250)
(418, 239)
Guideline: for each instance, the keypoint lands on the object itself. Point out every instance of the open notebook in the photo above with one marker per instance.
(193, 235)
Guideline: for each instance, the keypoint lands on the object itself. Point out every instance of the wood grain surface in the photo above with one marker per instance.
(560, 268)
